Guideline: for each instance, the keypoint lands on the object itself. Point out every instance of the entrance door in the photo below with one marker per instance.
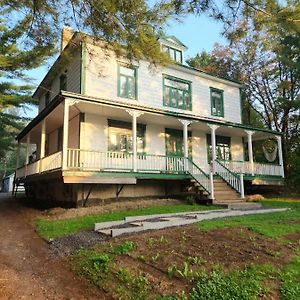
(174, 142)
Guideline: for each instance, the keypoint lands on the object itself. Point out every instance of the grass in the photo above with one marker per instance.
(273, 225)
(104, 265)
(50, 229)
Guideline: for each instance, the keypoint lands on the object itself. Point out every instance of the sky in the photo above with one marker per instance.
(197, 33)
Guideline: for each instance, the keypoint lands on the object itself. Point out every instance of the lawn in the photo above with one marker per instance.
(249, 257)
(50, 229)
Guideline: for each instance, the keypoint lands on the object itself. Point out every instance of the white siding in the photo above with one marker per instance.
(237, 149)
(155, 139)
(72, 70)
(101, 81)
(200, 149)
(73, 141)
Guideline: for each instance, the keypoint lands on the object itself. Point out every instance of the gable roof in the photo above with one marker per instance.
(173, 40)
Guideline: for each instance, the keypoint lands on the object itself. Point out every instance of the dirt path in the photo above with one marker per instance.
(27, 269)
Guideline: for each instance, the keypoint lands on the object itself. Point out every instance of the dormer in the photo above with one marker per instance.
(174, 48)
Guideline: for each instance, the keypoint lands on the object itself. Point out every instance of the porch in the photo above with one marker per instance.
(77, 148)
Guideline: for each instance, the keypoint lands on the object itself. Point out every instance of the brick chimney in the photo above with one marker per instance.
(66, 35)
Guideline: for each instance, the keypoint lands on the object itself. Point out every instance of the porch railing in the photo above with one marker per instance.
(51, 162)
(199, 175)
(235, 181)
(244, 167)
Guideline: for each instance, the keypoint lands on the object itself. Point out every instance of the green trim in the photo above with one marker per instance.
(115, 103)
(175, 53)
(82, 117)
(173, 90)
(83, 69)
(221, 113)
(135, 69)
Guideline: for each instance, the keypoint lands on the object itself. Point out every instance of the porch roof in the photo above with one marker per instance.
(125, 105)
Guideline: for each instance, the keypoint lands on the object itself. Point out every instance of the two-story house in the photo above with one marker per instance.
(109, 128)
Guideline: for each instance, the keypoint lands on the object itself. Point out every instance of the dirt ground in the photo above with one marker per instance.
(59, 213)
(27, 268)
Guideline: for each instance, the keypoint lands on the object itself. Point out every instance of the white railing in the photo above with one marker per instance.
(98, 160)
(244, 167)
(33, 168)
(235, 181)
(200, 176)
(51, 162)
(160, 163)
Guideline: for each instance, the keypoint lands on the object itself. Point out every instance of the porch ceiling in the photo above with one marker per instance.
(53, 121)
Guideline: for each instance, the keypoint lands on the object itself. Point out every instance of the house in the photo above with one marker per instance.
(108, 128)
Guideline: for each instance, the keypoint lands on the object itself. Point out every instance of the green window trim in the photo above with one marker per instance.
(127, 84)
(175, 96)
(176, 136)
(223, 147)
(174, 54)
(122, 132)
(217, 102)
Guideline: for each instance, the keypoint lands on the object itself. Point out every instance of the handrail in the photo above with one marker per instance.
(228, 176)
(199, 175)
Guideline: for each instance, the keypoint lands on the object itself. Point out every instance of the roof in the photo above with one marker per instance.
(173, 39)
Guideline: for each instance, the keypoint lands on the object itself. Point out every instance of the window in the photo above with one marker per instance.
(60, 139)
(174, 54)
(127, 82)
(174, 142)
(222, 147)
(63, 82)
(217, 105)
(120, 136)
(47, 98)
(177, 93)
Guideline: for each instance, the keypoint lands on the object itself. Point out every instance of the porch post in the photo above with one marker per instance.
(43, 143)
(213, 129)
(185, 124)
(280, 157)
(18, 156)
(135, 114)
(65, 135)
(250, 150)
(27, 152)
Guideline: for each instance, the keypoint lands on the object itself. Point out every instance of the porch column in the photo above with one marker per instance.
(135, 114)
(185, 124)
(27, 152)
(65, 135)
(280, 157)
(213, 129)
(43, 143)
(18, 156)
(250, 150)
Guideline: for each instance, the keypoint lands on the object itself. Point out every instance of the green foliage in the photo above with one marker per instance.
(290, 289)
(273, 225)
(190, 200)
(100, 263)
(242, 284)
(123, 248)
(52, 229)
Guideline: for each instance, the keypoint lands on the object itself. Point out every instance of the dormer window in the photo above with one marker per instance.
(173, 53)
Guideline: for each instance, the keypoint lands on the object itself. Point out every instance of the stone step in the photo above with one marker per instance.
(243, 205)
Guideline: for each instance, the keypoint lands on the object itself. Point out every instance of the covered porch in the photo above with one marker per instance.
(80, 135)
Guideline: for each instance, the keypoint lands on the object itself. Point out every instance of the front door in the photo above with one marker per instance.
(174, 142)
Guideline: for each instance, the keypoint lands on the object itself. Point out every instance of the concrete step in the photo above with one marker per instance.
(243, 205)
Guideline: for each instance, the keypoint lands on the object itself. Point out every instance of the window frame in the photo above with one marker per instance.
(220, 142)
(216, 114)
(135, 69)
(176, 79)
(63, 85)
(166, 49)
(141, 133)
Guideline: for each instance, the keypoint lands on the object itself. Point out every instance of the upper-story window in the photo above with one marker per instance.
(47, 98)
(173, 53)
(63, 82)
(127, 82)
(217, 102)
(177, 93)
